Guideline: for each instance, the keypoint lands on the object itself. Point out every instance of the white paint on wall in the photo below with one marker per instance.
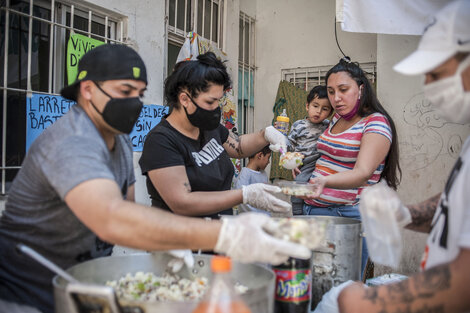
(428, 144)
(146, 34)
(248, 7)
(298, 33)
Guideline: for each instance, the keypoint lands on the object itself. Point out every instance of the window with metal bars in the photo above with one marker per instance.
(309, 77)
(246, 73)
(205, 17)
(33, 43)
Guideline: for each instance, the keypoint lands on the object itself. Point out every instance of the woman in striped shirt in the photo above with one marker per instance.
(358, 148)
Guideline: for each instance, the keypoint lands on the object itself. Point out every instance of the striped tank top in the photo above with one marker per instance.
(339, 153)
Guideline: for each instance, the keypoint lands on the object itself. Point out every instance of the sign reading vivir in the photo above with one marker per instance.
(77, 46)
(42, 110)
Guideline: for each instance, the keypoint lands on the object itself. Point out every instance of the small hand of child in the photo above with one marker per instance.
(295, 172)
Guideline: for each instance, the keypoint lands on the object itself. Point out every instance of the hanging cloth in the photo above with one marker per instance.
(292, 99)
(190, 48)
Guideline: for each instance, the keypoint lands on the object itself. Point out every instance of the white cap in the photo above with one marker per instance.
(447, 34)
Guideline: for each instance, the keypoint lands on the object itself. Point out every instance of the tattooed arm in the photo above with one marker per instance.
(422, 214)
(441, 289)
(173, 186)
(245, 145)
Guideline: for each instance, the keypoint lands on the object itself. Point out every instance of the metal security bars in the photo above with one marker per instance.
(309, 77)
(246, 72)
(33, 42)
(205, 17)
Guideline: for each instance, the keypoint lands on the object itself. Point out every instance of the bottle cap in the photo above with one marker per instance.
(282, 119)
(221, 264)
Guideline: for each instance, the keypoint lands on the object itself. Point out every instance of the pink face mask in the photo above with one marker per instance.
(352, 113)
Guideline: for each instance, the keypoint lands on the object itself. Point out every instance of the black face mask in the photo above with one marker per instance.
(202, 118)
(120, 113)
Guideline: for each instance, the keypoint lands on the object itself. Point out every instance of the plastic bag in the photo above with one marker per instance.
(378, 207)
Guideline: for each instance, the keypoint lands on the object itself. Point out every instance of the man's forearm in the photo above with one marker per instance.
(422, 214)
(440, 289)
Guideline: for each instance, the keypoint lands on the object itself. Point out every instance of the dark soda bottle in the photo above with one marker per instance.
(293, 286)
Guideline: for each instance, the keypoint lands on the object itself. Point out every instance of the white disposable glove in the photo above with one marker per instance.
(261, 196)
(181, 257)
(277, 140)
(383, 214)
(329, 301)
(381, 197)
(243, 239)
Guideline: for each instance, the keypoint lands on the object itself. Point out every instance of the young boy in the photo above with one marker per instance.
(253, 173)
(304, 135)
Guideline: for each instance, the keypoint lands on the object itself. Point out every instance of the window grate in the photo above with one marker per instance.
(205, 17)
(309, 77)
(32, 51)
(246, 72)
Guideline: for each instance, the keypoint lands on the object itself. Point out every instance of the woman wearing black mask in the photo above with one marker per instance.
(186, 158)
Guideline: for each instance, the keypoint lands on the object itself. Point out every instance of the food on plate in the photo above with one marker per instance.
(291, 160)
(168, 287)
(307, 232)
(298, 189)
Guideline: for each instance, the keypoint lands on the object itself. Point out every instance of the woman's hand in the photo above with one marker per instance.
(295, 172)
(319, 182)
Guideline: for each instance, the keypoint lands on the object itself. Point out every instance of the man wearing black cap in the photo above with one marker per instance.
(73, 197)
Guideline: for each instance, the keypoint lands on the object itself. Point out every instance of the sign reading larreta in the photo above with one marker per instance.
(77, 46)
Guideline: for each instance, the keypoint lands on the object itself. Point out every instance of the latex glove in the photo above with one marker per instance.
(243, 239)
(277, 140)
(181, 257)
(381, 197)
(261, 196)
(329, 301)
(383, 215)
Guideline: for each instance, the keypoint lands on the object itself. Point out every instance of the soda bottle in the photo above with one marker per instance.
(221, 296)
(282, 123)
(293, 285)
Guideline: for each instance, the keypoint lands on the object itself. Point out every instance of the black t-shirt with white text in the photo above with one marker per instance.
(207, 164)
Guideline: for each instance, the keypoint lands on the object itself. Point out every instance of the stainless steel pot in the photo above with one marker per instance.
(340, 259)
(259, 280)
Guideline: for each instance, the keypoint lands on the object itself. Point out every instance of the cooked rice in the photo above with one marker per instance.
(169, 287)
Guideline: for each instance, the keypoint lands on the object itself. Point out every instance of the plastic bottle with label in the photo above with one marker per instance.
(221, 296)
(282, 123)
(293, 286)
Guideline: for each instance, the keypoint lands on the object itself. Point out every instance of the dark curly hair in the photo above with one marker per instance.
(317, 91)
(195, 76)
(370, 104)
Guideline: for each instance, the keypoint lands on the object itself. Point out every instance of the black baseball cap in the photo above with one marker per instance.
(107, 62)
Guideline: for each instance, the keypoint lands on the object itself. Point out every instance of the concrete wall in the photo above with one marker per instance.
(146, 33)
(429, 145)
(298, 33)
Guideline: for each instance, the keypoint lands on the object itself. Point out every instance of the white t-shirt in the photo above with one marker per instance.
(451, 223)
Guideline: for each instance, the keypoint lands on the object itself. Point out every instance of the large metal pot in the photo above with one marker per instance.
(340, 259)
(259, 280)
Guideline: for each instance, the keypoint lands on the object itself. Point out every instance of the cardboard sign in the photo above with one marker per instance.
(77, 46)
(42, 110)
(149, 117)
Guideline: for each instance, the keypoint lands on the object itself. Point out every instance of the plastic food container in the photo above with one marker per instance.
(291, 160)
(294, 188)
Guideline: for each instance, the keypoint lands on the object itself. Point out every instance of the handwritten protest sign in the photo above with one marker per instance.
(42, 110)
(77, 46)
(149, 117)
